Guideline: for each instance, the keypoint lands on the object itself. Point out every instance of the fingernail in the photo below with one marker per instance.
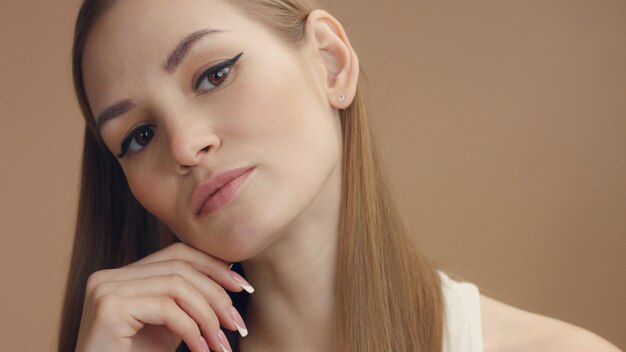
(204, 345)
(238, 321)
(224, 342)
(242, 282)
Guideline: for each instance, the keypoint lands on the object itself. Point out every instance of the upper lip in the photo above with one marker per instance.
(205, 189)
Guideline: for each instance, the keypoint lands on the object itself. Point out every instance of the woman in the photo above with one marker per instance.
(224, 132)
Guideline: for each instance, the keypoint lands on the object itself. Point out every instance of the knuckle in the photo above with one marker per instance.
(97, 278)
(178, 248)
(107, 306)
(93, 280)
(176, 281)
(181, 266)
(99, 292)
(166, 304)
(168, 308)
(219, 292)
(178, 287)
(223, 299)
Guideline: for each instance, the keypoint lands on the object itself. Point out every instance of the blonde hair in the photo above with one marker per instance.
(388, 295)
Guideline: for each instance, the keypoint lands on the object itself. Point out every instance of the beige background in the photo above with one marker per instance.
(504, 123)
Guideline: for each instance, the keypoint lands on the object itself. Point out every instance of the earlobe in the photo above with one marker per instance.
(340, 62)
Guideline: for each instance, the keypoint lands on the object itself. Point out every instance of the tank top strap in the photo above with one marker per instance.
(463, 329)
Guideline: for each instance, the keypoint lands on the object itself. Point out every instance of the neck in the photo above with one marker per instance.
(292, 308)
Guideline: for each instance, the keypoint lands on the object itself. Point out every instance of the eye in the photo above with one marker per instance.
(137, 139)
(215, 75)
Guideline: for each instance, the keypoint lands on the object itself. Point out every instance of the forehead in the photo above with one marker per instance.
(134, 37)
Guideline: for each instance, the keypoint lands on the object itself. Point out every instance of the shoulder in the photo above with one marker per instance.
(510, 329)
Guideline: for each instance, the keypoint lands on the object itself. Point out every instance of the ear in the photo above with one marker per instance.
(340, 63)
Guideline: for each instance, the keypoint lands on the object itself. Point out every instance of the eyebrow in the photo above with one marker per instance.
(169, 66)
(177, 56)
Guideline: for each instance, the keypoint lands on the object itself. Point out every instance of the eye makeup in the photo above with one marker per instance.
(215, 69)
(143, 129)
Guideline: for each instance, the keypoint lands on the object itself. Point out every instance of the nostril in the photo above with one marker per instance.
(205, 149)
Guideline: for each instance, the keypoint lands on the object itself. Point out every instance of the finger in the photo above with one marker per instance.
(213, 293)
(164, 311)
(179, 248)
(217, 269)
(208, 311)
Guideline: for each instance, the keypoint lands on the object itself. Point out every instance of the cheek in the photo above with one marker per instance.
(154, 194)
(286, 126)
(276, 112)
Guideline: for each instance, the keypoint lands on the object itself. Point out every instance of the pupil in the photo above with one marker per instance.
(219, 75)
(143, 137)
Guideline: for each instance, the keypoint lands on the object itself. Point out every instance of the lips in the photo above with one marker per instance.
(207, 188)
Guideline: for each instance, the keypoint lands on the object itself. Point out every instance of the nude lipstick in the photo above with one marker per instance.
(213, 194)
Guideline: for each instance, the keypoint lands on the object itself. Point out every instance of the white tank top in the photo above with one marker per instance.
(462, 332)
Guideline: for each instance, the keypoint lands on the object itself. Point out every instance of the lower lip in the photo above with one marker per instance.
(224, 195)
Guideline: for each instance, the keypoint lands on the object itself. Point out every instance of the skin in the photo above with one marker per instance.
(277, 110)
(506, 328)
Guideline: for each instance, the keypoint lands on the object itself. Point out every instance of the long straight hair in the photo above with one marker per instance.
(388, 295)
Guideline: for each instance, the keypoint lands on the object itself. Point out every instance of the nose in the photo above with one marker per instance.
(190, 144)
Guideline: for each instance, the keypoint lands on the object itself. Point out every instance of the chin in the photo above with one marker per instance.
(248, 227)
(244, 240)
(244, 246)
(230, 247)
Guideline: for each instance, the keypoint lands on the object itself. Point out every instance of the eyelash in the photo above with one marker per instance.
(130, 138)
(213, 70)
(216, 69)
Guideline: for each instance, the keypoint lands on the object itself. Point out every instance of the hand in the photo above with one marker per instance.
(177, 293)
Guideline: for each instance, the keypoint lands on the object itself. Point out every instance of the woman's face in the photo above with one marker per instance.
(267, 110)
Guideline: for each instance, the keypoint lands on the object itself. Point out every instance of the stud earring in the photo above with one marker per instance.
(341, 98)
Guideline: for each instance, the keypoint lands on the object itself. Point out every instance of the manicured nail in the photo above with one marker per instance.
(238, 321)
(242, 282)
(204, 345)
(224, 342)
